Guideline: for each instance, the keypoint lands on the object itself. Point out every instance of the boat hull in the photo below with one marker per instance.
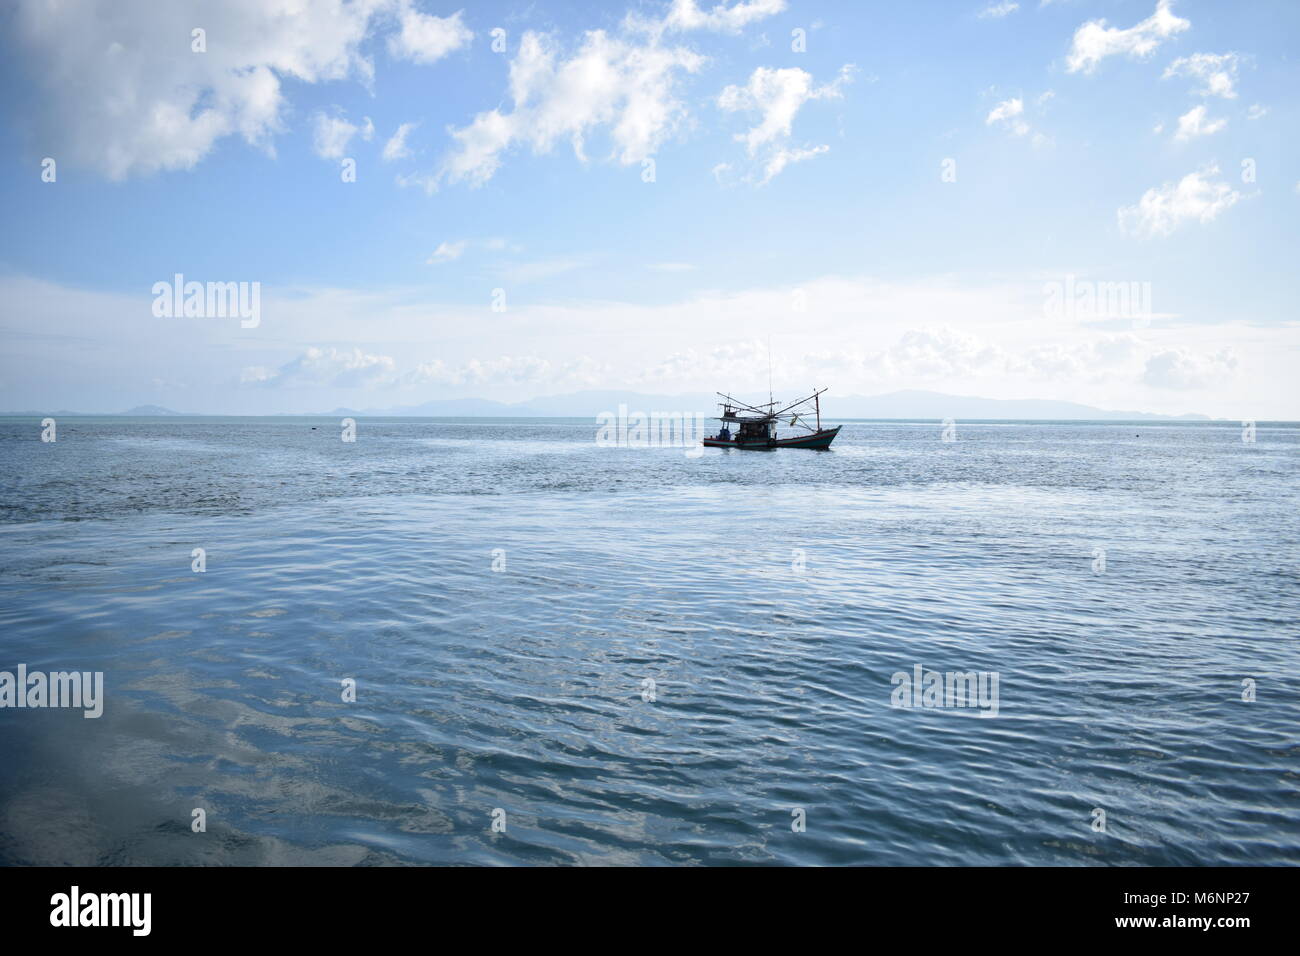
(820, 439)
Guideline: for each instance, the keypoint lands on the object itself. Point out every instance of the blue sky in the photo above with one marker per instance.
(898, 204)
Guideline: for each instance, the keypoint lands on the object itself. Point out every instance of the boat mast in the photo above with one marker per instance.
(817, 397)
(770, 401)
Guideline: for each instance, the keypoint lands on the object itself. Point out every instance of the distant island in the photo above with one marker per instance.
(908, 404)
(148, 411)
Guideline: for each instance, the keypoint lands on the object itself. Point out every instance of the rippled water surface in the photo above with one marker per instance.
(770, 597)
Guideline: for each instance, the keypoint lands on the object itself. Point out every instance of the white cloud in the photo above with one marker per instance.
(729, 361)
(782, 158)
(424, 38)
(326, 367)
(1257, 112)
(117, 88)
(332, 134)
(611, 84)
(621, 85)
(1180, 369)
(1104, 358)
(256, 375)
(980, 334)
(923, 355)
(545, 269)
(1218, 71)
(1192, 124)
(940, 353)
(670, 267)
(396, 147)
(778, 95)
(1163, 209)
(1094, 41)
(509, 371)
(446, 252)
(999, 10)
(686, 15)
(1008, 113)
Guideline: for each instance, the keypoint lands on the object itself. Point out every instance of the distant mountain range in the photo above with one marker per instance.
(140, 411)
(909, 404)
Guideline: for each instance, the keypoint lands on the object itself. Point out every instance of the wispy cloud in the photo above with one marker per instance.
(997, 11)
(543, 269)
(396, 147)
(1197, 197)
(1008, 113)
(1094, 41)
(447, 251)
(332, 133)
(1218, 72)
(777, 95)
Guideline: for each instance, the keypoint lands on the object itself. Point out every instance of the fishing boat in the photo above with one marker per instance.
(755, 425)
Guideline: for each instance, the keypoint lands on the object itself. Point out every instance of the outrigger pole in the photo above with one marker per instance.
(801, 401)
(739, 404)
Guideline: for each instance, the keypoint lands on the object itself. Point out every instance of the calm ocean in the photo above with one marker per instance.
(564, 653)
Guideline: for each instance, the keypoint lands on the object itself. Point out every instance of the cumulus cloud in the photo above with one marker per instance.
(940, 353)
(778, 95)
(118, 88)
(426, 39)
(622, 85)
(1102, 358)
(1218, 71)
(1193, 123)
(1163, 209)
(1180, 369)
(1094, 41)
(609, 84)
(326, 367)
